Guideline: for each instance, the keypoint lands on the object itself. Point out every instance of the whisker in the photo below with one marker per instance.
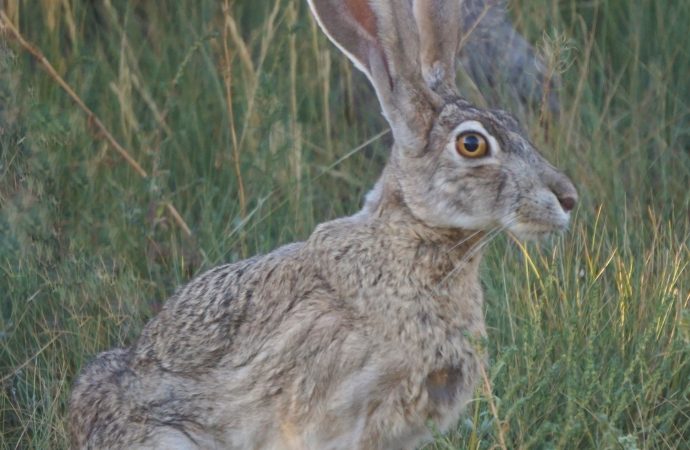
(464, 240)
(470, 253)
(508, 220)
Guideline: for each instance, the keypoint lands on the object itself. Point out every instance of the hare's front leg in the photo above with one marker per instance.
(367, 407)
(336, 402)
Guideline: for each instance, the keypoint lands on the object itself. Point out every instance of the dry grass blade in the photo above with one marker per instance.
(296, 154)
(7, 27)
(29, 360)
(242, 50)
(227, 79)
(488, 391)
(474, 25)
(268, 34)
(226, 63)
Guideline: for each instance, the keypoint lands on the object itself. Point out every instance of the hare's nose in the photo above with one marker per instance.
(565, 192)
(567, 202)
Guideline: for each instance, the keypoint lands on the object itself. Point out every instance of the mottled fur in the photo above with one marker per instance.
(368, 333)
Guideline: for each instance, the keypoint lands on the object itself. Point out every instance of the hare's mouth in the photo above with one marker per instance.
(537, 219)
(529, 231)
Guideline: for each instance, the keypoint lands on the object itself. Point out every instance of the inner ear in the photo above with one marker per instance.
(381, 39)
(352, 26)
(363, 15)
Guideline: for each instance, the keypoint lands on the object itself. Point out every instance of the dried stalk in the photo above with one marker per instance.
(296, 154)
(494, 410)
(229, 25)
(227, 78)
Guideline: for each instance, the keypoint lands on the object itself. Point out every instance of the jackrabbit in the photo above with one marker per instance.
(364, 336)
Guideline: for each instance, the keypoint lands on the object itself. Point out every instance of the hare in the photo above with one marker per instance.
(366, 335)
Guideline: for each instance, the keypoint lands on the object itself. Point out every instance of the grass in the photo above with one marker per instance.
(251, 126)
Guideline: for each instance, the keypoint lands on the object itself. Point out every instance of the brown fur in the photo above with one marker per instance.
(364, 334)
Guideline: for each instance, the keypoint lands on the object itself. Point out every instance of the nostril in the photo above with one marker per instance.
(567, 202)
(562, 188)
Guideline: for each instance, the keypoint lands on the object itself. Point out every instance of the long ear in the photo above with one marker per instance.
(439, 33)
(381, 40)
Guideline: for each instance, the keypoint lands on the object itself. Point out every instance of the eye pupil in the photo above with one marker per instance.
(471, 143)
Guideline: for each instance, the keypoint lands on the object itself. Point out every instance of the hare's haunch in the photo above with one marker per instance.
(367, 334)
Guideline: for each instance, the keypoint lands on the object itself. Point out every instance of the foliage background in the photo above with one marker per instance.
(589, 335)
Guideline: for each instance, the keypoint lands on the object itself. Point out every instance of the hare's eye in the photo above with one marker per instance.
(471, 145)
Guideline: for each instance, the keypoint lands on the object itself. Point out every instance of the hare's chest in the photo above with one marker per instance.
(444, 385)
(447, 392)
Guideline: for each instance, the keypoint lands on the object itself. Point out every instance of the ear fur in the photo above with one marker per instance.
(439, 31)
(380, 38)
(352, 27)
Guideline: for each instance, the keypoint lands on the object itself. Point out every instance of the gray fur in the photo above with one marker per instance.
(367, 333)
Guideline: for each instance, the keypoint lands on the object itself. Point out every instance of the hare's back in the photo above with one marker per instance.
(222, 312)
(256, 347)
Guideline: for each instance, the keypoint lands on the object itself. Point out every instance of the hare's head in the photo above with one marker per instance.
(454, 165)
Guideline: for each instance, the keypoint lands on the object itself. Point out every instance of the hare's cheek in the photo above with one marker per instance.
(488, 190)
(503, 193)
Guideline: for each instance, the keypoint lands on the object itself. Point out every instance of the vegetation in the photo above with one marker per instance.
(254, 129)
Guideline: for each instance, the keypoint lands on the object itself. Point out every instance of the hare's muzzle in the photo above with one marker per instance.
(565, 192)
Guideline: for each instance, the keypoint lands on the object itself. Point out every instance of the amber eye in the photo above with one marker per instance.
(471, 145)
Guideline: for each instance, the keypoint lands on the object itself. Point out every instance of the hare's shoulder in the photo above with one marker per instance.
(212, 313)
(228, 311)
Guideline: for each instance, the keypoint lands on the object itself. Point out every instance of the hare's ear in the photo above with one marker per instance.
(381, 40)
(439, 35)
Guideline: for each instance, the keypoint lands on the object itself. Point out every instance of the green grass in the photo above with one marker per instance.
(589, 336)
